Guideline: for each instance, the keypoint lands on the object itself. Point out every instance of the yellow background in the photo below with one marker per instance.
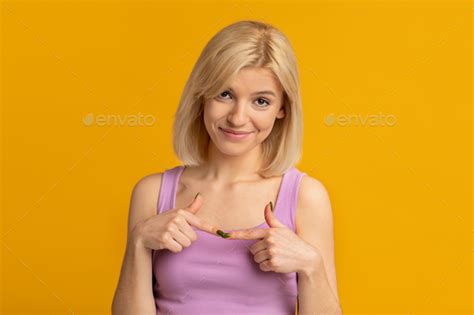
(401, 194)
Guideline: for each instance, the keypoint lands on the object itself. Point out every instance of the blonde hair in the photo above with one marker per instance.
(242, 44)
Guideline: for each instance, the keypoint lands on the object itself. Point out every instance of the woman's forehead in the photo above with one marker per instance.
(254, 80)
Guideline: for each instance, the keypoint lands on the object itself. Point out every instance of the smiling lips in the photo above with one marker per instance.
(235, 135)
(235, 132)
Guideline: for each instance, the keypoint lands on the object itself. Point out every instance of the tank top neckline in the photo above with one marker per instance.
(276, 208)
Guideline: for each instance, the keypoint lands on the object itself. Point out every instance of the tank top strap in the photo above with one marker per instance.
(168, 188)
(286, 210)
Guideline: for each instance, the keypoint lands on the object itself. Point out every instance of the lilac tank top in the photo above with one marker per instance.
(219, 276)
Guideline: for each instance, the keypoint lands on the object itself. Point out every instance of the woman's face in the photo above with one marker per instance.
(250, 104)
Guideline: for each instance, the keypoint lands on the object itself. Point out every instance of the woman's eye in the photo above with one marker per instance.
(225, 92)
(265, 102)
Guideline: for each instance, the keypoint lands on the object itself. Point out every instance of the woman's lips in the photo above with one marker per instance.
(234, 136)
(234, 131)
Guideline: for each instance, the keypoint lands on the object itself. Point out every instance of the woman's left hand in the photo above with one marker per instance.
(279, 248)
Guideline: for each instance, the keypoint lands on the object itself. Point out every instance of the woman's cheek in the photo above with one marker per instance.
(265, 127)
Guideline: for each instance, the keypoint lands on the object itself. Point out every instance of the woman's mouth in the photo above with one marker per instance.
(235, 136)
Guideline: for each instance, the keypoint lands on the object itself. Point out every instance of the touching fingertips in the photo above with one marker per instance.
(222, 234)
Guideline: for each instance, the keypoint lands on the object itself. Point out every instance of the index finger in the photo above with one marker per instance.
(248, 234)
(200, 224)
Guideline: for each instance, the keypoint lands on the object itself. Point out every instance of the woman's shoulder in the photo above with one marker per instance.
(148, 182)
(152, 181)
(313, 200)
(148, 187)
(311, 190)
(144, 198)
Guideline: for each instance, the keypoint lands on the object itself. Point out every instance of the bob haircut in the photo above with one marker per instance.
(242, 44)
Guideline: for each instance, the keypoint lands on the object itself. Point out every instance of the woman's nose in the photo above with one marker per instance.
(238, 114)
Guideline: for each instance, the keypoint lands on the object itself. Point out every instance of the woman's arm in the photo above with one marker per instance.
(134, 293)
(317, 284)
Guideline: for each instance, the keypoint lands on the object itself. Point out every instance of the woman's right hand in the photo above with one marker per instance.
(171, 229)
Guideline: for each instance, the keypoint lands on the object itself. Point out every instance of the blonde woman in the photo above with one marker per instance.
(237, 229)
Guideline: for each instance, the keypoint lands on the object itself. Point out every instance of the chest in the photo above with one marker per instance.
(238, 207)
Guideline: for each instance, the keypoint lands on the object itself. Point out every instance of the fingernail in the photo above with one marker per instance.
(222, 234)
(271, 206)
(196, 195)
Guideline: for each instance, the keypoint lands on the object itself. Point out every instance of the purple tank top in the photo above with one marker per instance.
(219, 276)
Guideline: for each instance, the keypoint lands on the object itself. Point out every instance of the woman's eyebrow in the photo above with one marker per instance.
(259, 92)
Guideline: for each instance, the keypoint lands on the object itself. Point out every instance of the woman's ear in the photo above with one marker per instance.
(281, 113)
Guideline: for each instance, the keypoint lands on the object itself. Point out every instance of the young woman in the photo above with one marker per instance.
(237, 229)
